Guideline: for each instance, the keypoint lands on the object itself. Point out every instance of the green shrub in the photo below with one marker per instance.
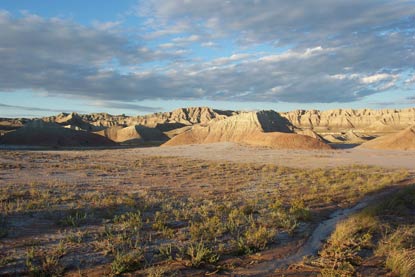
(126, 261)
(199, 254)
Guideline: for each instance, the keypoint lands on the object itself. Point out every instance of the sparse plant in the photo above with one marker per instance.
(131, 221)
(75, 219)
(198, 254)
(166, 251)
(126, 261)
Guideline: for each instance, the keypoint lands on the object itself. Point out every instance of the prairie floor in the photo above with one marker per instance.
(135, 212)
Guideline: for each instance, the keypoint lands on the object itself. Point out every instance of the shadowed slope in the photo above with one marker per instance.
(42, 133)
(133, 134)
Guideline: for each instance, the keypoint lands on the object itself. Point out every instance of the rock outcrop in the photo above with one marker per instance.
(41, 133)
(348, 137)
(345, 119)
(403, 140)
(163, 121)
(344, 126)
(265, 128)
(309, 133)
(133, 134)
(72, 121)
(10, 124)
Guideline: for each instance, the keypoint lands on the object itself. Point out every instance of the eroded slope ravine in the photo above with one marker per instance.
(320, 234)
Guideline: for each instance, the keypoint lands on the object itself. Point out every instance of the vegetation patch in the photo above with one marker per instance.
(160, 215)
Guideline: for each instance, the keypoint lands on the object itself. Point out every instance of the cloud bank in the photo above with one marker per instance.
(317, 52)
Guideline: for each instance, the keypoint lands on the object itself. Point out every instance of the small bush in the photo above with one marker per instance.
(124, 262)
(199, 254)
(75, 219)
(131, 220)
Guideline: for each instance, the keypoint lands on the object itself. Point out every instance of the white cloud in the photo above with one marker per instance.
(108, 25)
(209, 44)
(189, 39)
(376, 78)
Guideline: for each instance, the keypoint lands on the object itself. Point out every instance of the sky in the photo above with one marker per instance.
(138, 57)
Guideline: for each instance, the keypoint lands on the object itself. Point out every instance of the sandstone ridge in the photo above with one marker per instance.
(345, 119)
(265, 128)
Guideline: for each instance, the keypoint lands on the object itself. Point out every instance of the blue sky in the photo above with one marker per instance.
(137, 57)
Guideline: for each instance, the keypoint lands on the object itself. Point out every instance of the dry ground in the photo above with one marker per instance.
(148, 212)
(290, 158)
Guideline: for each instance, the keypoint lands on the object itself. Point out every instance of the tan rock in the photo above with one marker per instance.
(263, 128)
(403, 140)
(344, 119)
(133, 134)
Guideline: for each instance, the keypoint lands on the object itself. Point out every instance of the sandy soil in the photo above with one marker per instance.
(291, 158)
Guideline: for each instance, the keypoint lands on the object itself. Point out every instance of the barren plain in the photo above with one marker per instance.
(218, 209)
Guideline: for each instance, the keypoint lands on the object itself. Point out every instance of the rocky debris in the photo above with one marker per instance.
(403, 140)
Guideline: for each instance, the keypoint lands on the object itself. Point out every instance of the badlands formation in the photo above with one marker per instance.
(265, 128)
(366, 120)
(303, 129)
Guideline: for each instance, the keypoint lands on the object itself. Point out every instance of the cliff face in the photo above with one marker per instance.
(180, 118)
(164, 121)
(339, 120)
(344, 119)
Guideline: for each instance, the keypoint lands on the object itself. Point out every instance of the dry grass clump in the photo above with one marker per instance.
(385, 230)
(343, 252)
(399, 249)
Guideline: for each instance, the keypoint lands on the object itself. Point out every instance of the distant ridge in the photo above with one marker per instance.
(339, 126)
(344, 119)
(41, 133)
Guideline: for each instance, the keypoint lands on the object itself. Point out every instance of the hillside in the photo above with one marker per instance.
(403, 140)
(40, 133)
(265, 128)
(340, 126)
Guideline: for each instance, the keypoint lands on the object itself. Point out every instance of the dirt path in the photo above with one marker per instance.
(319, 235)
